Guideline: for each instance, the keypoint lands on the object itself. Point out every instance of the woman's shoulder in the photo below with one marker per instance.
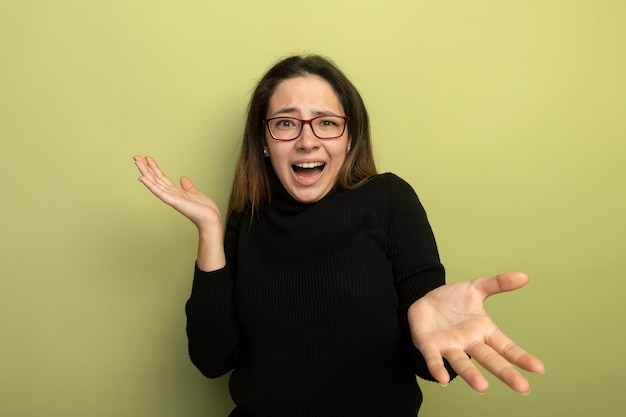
(393, 191)
(391, 182)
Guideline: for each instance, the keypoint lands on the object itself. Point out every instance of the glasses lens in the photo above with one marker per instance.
(328, 126)
(284, 128)
(289, 128)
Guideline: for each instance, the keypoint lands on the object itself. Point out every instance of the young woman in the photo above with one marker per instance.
(325, 294)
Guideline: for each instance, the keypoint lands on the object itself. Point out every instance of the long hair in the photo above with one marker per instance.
(254, 180)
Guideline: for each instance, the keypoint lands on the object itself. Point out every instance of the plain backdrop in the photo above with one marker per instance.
(507, 117)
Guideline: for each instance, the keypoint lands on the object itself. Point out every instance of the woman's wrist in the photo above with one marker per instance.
(211, 254)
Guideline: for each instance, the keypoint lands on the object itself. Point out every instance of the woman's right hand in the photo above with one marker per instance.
(191, 203)
(185, 198)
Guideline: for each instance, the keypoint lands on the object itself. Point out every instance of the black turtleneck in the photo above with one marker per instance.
(310, 310)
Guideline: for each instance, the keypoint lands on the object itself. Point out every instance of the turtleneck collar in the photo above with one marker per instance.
(285, 203)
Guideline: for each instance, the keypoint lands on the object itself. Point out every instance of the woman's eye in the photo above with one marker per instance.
(285, 123)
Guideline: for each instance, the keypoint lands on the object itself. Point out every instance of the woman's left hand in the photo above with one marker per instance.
(450, 322)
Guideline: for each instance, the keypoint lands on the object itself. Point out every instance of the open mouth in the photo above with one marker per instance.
(308, 169)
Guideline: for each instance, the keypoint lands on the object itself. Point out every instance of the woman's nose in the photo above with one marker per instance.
(307, 139)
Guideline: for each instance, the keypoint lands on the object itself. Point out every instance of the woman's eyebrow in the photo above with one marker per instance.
(286, 110)
(291, 110)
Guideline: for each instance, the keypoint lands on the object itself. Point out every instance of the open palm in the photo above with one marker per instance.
(185, 198)
(450, 322)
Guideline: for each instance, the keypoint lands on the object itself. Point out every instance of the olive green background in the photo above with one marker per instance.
(507, 117)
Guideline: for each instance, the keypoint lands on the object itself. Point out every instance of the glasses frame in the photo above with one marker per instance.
(303, 122)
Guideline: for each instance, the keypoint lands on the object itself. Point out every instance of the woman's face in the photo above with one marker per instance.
(307, 166)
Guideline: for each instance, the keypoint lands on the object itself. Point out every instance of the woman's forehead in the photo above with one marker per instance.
(309, 93)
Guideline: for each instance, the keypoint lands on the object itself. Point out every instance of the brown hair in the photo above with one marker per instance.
(254, 180)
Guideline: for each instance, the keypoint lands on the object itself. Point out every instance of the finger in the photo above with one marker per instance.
(156, 172)
(142, 165)
(148, 168)
(187, 185)
(148, 175)
(435, 365)
(509, 281)
(514, 353)
(531, 363)
(493, 362)
(463, 366)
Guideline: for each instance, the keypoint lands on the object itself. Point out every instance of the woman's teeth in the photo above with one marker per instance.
(308, 169)
(309, 164)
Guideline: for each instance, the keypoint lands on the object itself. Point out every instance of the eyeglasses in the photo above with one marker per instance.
(289, 128)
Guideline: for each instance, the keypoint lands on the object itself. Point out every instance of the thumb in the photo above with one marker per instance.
(509, 281)
(186, 183)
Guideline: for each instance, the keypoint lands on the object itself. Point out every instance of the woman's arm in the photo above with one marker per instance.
(413, 252)
(212, 330)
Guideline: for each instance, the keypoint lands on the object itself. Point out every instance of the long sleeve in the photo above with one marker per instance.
(215, 340)
(416, 263)
(417, 268)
